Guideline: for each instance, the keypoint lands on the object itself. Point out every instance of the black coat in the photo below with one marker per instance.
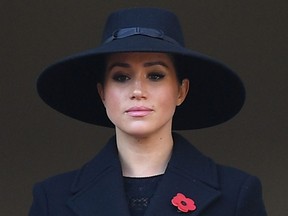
(97, 188)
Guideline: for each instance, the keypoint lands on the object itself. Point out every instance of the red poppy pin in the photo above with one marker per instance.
(183, 203)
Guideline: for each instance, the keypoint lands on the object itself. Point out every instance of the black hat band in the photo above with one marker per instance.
(127, 32)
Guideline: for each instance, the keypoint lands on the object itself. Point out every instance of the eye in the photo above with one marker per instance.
(156, 76)
(120, 77)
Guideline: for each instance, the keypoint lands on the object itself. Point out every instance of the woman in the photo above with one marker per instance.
(149, 84)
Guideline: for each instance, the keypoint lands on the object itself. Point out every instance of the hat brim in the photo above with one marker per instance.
(216, 93)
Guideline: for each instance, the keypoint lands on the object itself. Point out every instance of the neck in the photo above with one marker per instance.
(145, 156)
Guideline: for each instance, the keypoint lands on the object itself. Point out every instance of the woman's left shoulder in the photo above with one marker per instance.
(244, 187)
(229, 174)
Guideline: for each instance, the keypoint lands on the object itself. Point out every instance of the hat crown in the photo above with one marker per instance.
(148, 18)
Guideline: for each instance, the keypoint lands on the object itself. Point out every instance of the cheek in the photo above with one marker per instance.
(167, 97)
(112, 97)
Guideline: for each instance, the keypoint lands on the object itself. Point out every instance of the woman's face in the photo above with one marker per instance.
(141, 91)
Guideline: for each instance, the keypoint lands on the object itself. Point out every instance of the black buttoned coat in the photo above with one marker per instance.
(97, 188)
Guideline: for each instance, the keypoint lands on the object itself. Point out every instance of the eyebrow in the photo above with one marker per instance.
(118, 64)
(146, 64)
(149, 64)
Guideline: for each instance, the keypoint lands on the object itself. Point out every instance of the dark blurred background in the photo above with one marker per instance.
(37, 142)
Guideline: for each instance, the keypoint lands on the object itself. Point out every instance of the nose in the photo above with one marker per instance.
(138, 90)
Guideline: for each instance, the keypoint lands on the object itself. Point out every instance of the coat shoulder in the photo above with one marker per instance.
(61, 182)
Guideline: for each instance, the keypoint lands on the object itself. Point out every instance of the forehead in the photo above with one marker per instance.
(139, 57)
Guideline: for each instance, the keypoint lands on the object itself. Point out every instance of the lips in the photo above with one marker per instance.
(138, 111)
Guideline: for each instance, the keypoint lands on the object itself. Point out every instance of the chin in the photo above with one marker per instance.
(141, 130)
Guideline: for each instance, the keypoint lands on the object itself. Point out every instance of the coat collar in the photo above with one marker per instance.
(98, 188)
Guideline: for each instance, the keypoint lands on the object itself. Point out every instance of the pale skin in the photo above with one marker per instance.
(140, 93)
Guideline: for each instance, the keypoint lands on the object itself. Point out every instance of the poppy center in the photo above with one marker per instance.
(183, 203)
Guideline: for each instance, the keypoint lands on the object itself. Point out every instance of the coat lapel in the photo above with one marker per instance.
(99, 190)
(190, 173)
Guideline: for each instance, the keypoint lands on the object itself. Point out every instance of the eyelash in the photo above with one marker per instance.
(154, 76)
(120, 77)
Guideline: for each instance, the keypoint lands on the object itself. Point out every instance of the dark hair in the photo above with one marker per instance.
(179, 67)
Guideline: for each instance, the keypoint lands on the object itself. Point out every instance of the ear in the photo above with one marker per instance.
(100, 90)
(183, 91)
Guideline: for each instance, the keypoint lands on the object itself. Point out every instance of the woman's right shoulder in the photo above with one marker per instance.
(59, 182)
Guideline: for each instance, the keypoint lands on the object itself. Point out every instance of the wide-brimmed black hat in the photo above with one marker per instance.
(216, 93)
